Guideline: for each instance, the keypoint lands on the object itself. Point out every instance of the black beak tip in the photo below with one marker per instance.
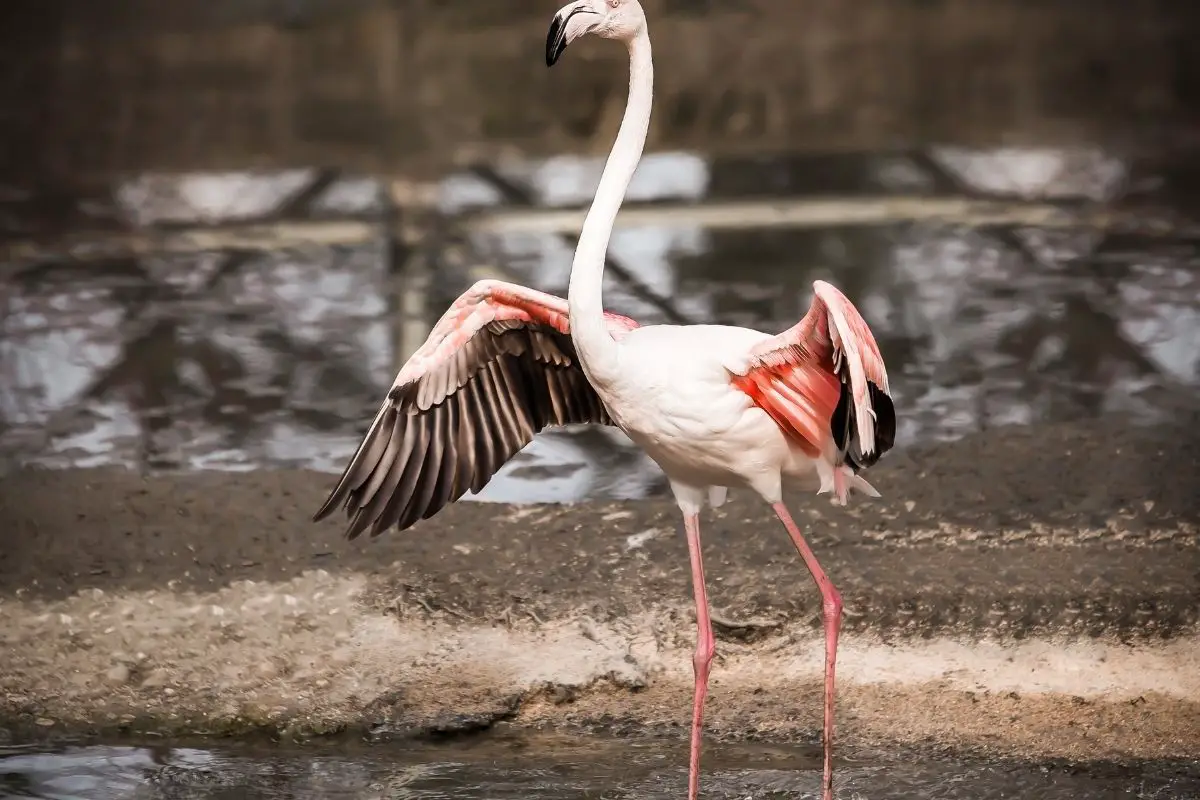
(556, 40)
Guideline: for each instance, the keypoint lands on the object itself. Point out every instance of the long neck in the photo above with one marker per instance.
(597, 350)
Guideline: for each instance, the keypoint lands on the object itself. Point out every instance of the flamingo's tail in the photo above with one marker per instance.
(841, 481)
(860, 483)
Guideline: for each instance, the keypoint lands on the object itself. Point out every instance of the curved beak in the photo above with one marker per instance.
(563, 30)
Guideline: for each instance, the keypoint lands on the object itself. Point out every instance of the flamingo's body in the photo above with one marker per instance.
(715, 406)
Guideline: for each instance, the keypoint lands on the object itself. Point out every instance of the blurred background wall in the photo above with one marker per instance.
(95, 86)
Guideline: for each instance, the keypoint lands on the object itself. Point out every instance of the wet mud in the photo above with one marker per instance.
(1031, 590)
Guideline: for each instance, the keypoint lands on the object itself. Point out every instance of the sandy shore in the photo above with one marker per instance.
(1032, 591)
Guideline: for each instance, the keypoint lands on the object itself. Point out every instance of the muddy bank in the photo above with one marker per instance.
(1032, 591)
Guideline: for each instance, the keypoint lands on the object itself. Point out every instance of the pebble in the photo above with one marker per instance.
(637, 540)
(158, 677)
(45, 723)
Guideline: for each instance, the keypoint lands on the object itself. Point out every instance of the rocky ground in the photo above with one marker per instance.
(1031, 591)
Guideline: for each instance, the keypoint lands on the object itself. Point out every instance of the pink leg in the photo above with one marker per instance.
(705, 647)
(831, 610)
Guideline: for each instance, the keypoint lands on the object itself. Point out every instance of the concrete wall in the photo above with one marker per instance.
(129, 85)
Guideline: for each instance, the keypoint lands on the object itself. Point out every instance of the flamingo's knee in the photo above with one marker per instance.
(703, 657)
(831, 605)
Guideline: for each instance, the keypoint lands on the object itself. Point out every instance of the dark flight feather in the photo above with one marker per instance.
(453, 428)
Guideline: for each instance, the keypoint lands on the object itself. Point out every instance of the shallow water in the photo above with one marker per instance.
(558, 767)
(232, 361)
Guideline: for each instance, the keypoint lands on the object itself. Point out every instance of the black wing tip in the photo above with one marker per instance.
(885, 419)
(330, 505)
(370, 527)
(844, 426)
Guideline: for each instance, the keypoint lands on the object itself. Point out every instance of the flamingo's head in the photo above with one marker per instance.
(611, 19)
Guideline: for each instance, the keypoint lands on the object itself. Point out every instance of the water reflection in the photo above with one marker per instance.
(235, 360)
(554, 767)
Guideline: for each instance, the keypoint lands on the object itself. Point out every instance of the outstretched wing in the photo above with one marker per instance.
(497, 368)
(825, 377)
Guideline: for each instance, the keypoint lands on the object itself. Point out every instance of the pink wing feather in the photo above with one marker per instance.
(493, 301)
(824, 378)
(498, 367)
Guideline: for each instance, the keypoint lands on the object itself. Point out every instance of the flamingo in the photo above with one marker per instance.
(714, 406)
